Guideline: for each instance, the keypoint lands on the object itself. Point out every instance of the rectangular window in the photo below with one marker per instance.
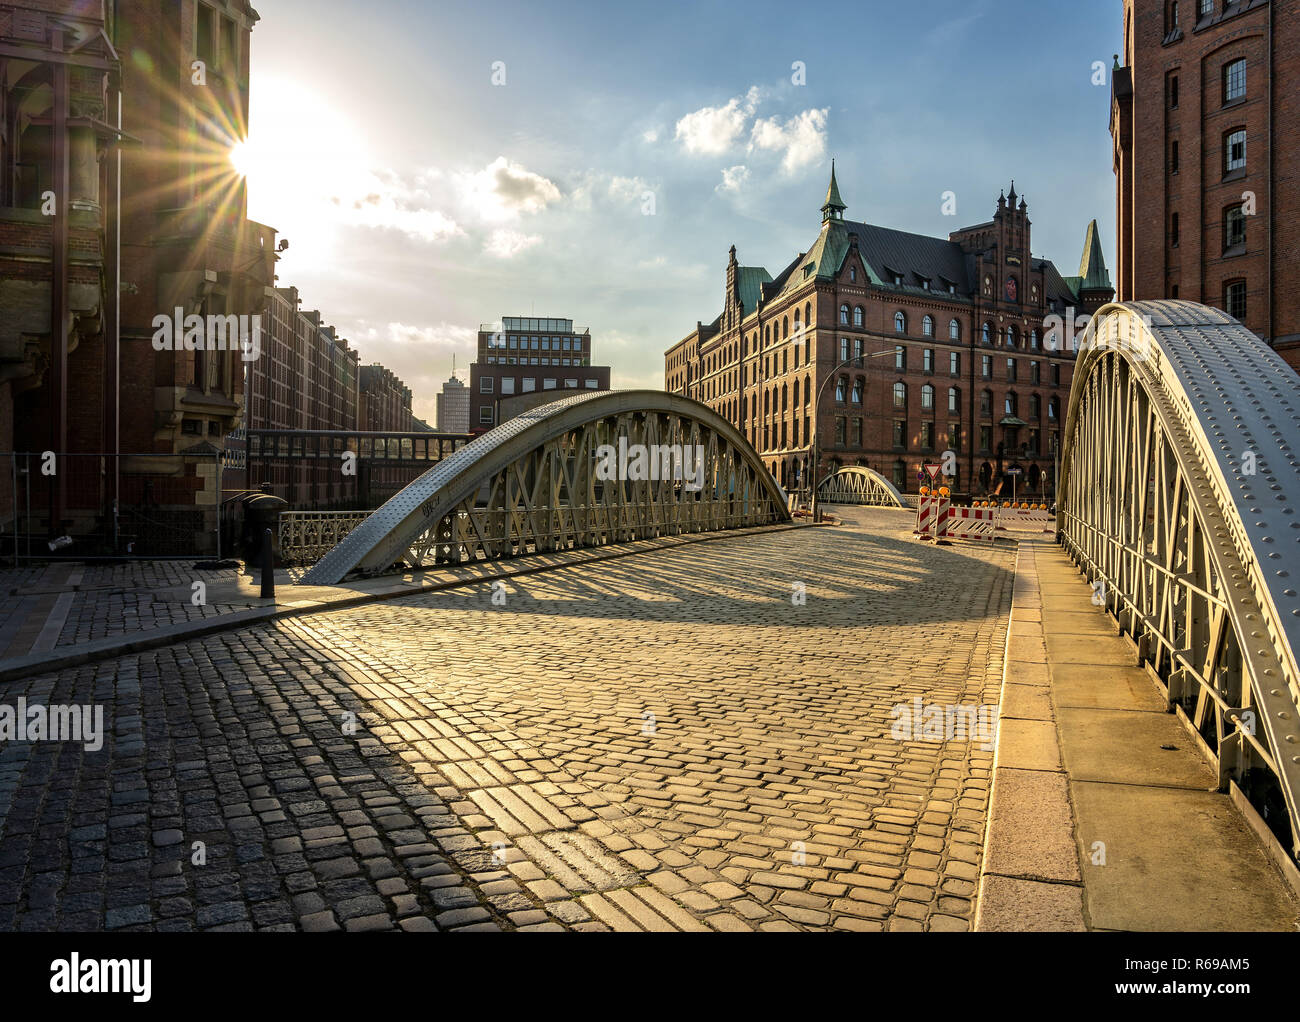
(591, 384)
(986, 366)
(229, 45)
(485, 385)
(844, 349)
(1234, 81)
(927, 436)
(900, 357)
(1173, 157)
(1056, 376)
(1011, 370)
(548, 383)
(1205, 7)
(570, 384)
(839, 431)
(1175, 230)
(954, 396)
(1034, 372)
(530, 385)
(1234, 151)
(954, 363)
(204, 38)
(1234, 228)
(507, 385)
(927, 360)
(857, 432)
(485, 415)
(954, 436)
(986, 439)
(1173, 92)
(900, 434)
(1234, 299)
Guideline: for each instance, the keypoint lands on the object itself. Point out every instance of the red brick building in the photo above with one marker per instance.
(75, 376)
(525, 356)
(907, 346)
(1205, 117)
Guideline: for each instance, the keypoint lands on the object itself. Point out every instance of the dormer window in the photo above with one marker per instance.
(853, 274)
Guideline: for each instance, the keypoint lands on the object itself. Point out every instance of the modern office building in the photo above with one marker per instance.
(453, 406)
(524, 355)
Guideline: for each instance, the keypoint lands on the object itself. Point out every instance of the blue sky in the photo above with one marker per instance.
(630, 145)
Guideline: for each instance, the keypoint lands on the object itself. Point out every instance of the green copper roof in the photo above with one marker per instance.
(750, 281)
(833, 200)
(1092, 268)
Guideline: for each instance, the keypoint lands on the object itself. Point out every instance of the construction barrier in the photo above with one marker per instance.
(924, 515)
(970, 523)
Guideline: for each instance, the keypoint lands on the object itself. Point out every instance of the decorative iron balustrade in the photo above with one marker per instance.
(307, 536)
(1181, 503)
(538, 483)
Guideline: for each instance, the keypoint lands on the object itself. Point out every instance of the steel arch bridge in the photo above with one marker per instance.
(567, 475)
(855, 484)
(1180, 501)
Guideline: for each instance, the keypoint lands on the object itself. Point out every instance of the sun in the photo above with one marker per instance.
(243, 158)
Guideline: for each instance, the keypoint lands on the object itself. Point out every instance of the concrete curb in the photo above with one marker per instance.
(1031, 877)
(485, 571)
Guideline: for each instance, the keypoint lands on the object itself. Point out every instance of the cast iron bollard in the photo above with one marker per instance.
(268, 568)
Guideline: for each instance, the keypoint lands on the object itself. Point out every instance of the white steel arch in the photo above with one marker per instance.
(535, 483)
(1180, 500)
(856, 484)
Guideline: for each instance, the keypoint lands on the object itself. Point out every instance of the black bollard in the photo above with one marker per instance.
(268, 568)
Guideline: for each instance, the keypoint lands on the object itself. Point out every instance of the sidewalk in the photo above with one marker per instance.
(1103, 813)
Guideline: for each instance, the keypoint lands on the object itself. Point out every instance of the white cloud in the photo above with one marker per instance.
(504, 189)
(733, 178)
(802, 139)
(506, 244)
(713, 130)
(388, 203)
(651, 136)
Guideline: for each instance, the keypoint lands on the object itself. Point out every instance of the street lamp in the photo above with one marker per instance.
(817, 402)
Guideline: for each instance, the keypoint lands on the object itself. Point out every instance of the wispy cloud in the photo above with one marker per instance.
(713, 130)
(506, 244)
(801, 140)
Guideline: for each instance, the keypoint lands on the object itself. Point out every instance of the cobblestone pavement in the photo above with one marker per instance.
(666, 741)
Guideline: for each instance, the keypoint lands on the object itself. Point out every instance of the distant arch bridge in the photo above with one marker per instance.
(856, 484)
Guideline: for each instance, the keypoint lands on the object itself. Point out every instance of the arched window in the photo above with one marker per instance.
(844, 349)
(900, 323)
(807, 315)
(954, 330)
(858, 316)
(857, 391)
(785, 327)
(767, 334)
(1010, 404)
(927, 398)
(927, 326)
(841, 386)
(1011, 337)
(785, 397)
(853, 273)
(986, 333)
(798, 323)
(954, 400)
(900, 395)
(1033, 339)
(844, 315)
(807, 391)
(1053, 408)
(986, 402)
(1035, 406)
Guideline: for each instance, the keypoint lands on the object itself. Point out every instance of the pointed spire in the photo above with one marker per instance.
(1093, 275)
(833, 208)
(1011, 199)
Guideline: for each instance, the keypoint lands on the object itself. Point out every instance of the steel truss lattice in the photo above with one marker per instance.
(855, 484)
(1181, 503)
(534, 485)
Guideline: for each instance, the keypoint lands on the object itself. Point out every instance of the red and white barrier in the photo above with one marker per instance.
(970, 523)
(924, 515)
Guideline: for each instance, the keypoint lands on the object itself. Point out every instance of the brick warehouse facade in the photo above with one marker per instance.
(78, 377)
(1205, 117)
(973, 360)
(520, 362)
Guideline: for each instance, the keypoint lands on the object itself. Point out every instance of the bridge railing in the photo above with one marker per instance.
(307, 536)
